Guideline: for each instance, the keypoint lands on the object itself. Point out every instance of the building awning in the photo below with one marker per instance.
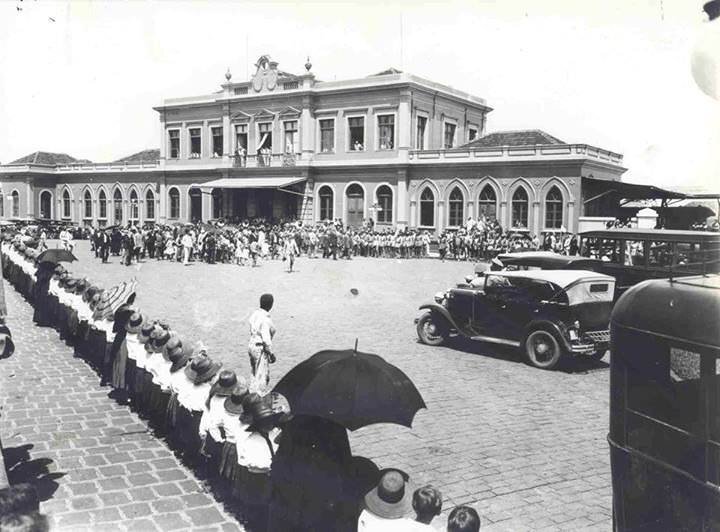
(253, 182)
(627, 191)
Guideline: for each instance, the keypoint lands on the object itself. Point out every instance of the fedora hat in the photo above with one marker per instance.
(134, 322)
(226, 382)
(201, 369)
(146, 330)
(234, 404)
(261, 410)
(391, 497)
(179, 357)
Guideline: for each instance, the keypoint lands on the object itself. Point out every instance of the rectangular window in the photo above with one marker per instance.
(327, 135)
(472, 134)
(356, 127)
(291, 136)
(195, 143)
(386, 132)
(420, 133)
(174, 138)
(265, 140)
(241, 137)
(449, 135)
(217, 141)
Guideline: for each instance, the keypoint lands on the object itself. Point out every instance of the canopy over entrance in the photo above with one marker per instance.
(253, 182)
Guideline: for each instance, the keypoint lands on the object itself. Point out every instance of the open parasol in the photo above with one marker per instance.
(56, 256)
(352, 389)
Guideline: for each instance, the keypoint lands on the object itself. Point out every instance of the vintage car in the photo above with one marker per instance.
(548, 314)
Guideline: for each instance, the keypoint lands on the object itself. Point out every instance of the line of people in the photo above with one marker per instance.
(285, 472)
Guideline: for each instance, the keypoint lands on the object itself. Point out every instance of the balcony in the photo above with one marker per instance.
(270, 160)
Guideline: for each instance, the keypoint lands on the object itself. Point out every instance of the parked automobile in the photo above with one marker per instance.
(665, 405)
(542, 260)
(547, 314)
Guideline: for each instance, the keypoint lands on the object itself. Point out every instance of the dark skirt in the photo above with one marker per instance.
(228, 468)
(213, 450)
(252, 488)
(130, 368)
(188, 430)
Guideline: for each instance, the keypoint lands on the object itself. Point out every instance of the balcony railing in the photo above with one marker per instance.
(563, 151)
(273, 160)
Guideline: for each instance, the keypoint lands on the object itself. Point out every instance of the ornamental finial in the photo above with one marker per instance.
(308, 64)
(228, 75)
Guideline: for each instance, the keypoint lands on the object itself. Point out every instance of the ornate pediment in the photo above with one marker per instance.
(240, 117)
(289, 112)
(264, 114)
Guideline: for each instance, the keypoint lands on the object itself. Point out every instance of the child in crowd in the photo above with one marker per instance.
(427, 503)
(463, 519)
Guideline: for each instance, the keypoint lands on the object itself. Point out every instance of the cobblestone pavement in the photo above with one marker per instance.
(525, 447)
(95, 463)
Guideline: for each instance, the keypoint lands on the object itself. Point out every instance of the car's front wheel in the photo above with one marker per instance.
(543, 350)
(432, 329)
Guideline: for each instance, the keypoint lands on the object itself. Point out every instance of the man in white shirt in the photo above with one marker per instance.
(262, 331)
(187, 245)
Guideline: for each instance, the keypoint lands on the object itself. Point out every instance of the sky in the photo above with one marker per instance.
(81, 78)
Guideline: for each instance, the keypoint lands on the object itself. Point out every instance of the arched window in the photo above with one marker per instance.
(427, 208)
(554, 209)
(102, 205)
(326, 203)
(487, 205)
(66, 203)
(150, 205)
(385, 204)
(15, 204)
(87, 204)
(134, 205)
(455, 208)
(174, 196)
(117, 206)
(520, 208)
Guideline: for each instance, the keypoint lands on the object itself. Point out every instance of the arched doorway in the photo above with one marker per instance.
(45, 205)
(355, 205)
(195, 204)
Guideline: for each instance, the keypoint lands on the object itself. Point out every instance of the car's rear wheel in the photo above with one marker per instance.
(432, 329)
(543, 350)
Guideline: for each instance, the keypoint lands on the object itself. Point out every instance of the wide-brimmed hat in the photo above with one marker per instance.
(234, 404)
(391, 498)
(179, 357)
(9, 346)
(81, 286)
(201, 369)
(134, 322)
(226, 382)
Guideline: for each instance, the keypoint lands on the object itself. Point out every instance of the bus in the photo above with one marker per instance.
(635, 255)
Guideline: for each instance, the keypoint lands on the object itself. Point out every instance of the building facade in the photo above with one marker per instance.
(392, 147)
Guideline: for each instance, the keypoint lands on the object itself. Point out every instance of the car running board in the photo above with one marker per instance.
(493, 340)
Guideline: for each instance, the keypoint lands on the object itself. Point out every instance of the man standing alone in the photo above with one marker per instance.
(187, 245)
(262, 331)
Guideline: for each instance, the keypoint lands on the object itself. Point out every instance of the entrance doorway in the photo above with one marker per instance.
(355, 205)
(45, 205)
(195, 204)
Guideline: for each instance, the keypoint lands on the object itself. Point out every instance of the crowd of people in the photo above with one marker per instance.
(285, 472)
(247, 243)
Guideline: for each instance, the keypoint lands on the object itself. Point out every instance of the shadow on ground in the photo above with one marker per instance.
(21, 467)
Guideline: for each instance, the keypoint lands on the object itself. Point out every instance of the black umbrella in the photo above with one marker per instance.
(56, 255)
(352, 389)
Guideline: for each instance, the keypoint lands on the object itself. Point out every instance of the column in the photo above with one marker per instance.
(412, 222)
(440, 221)
(161, 214)
(206, 202)
(163, 138)
(535, 227)
(571, 216)
(504, 217)
(404, 123)
(30, 200)
(401, 219)
(307, 129)
(227, 133)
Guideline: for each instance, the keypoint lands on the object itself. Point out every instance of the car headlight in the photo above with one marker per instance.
(439, 298)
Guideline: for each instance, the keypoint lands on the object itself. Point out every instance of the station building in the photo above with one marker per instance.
(392, 147)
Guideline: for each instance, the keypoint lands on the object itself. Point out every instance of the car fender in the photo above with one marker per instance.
(558, 329)
(439, 309)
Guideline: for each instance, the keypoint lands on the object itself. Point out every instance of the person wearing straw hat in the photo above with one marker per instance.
(388, 504)
(133, 348)
(180, 356)
(233, 422)
(127, 321)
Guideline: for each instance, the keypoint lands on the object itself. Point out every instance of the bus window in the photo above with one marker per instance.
(634, 253)
(660, 254)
